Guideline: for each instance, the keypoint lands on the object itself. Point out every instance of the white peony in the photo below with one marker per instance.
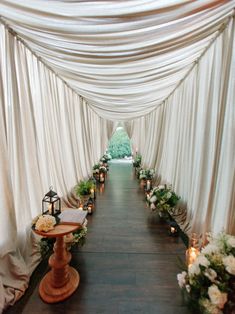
(231, 241)
(210, 248)
(229, 263)
(182, 279)
(45, 223)
(153, 199)
(168, 195)
(217, 297)
(211, 274)
(194, 269)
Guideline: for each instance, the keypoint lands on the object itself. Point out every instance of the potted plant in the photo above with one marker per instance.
(146, 176)
(105, 158)
(83, 189)
(137, 161)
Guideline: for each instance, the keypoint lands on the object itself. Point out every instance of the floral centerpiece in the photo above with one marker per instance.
(71, 240)
(137, 161)
(105, 158)
(44, 223)
(209, 282)
(96, 168)
(146, 174)
(162, 198)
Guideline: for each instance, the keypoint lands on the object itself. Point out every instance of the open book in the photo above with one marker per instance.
(73, 216)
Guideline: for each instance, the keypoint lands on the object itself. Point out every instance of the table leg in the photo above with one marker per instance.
(62, 280)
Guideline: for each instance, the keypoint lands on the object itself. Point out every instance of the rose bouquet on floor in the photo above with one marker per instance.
(209, 282)
(162, 198)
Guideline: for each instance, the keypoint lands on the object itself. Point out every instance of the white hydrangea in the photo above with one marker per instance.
(229, 263)
(210, 248)
(194, 269)
(45, 223)
(202, 260)
(153, 199)
(182, 279)
(231, 241)
(217, 297)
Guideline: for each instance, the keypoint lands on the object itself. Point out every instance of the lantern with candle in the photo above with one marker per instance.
(173, 229)
(193, 250)
(51, 204)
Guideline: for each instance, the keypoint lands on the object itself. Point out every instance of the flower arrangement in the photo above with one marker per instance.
(102, 169)
(106, 157)
(146, 174)
(96, 168)
(163, 198)
(209, 282)
(137, 161)
(74, 239)
(44, 223)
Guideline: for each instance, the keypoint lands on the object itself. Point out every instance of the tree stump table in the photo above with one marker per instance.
(62, 280)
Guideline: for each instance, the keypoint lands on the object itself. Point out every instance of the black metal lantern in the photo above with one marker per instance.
(51, 204)
(173, 229)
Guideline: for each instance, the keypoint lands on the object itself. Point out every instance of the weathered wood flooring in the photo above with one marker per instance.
(129, 262)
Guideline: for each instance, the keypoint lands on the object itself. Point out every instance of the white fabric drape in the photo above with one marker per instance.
(124, 58)
(190, 138)
(49, 136)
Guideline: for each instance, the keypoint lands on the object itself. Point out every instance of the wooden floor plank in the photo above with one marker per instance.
(129, 262)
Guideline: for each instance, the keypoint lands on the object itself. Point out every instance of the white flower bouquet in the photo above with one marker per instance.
(44, 223)
(209, 283)
(162, 198)
(146, 174)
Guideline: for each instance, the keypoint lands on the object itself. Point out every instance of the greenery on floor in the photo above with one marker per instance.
(119, 145)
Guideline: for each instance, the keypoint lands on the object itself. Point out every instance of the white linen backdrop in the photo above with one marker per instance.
(48, 136)
(124, 57)
(190, 139)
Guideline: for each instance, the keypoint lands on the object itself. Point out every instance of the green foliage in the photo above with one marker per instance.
(119, 145)
(137, 161)
(84, 187)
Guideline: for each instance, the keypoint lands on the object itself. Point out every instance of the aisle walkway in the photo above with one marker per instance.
(128, 264)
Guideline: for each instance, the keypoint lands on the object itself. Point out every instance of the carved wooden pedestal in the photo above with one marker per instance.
(62, 280)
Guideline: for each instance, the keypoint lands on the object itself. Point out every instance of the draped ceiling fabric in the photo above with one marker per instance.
(70, 70)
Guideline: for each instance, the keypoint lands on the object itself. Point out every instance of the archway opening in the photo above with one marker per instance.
(119, 146)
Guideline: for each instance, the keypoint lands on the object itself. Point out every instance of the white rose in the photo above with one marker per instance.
(231, 241)
(210, 248)
(202, 260)
(182, 279)
(229, 263)
(194, 269)
(153, 199)
(217, 297)
(211, 274)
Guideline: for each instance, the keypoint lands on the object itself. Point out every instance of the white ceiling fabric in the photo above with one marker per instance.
(123, 57)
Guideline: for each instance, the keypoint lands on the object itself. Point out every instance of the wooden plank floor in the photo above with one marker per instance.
(129, 262)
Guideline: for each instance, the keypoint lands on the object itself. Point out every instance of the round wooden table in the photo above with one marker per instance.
(62, 280)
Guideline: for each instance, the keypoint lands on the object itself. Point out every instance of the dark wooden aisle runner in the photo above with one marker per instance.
(129, 262)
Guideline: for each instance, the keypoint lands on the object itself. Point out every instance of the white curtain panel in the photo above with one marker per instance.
(190, 139)
(48, 136)
(125, 58)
